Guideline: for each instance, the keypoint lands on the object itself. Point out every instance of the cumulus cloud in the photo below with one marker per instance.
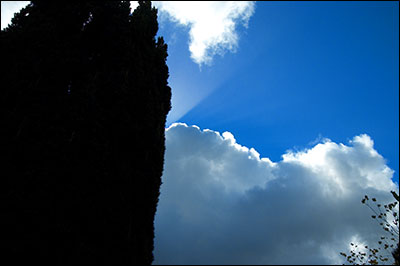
(221, 203)
(212, 24)
(8, 8)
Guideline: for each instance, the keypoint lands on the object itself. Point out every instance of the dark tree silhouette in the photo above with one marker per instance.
(84, 102)
(388, 218)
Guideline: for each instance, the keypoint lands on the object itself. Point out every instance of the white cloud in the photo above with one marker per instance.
(134, 5)
(221, 203)
(8, 8)
(212, 24)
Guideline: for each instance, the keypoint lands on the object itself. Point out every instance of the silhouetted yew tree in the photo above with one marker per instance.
(84, 98)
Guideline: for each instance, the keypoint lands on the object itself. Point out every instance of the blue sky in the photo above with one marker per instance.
(302, 71)
(309, 103)
(284, 115)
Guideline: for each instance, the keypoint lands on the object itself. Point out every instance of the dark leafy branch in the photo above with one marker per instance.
(388, 247)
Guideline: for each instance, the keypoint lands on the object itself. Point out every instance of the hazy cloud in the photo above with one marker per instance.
(221, 203)
(8, 8)
(212, 24)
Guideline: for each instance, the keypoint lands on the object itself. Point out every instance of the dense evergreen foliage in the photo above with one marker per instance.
(84, 102)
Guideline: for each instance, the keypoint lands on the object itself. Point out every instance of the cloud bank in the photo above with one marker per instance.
(212, 24)
(221, 203)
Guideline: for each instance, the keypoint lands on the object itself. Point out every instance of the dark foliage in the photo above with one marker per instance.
(84, 102)
(388, 219)
(396, 255)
